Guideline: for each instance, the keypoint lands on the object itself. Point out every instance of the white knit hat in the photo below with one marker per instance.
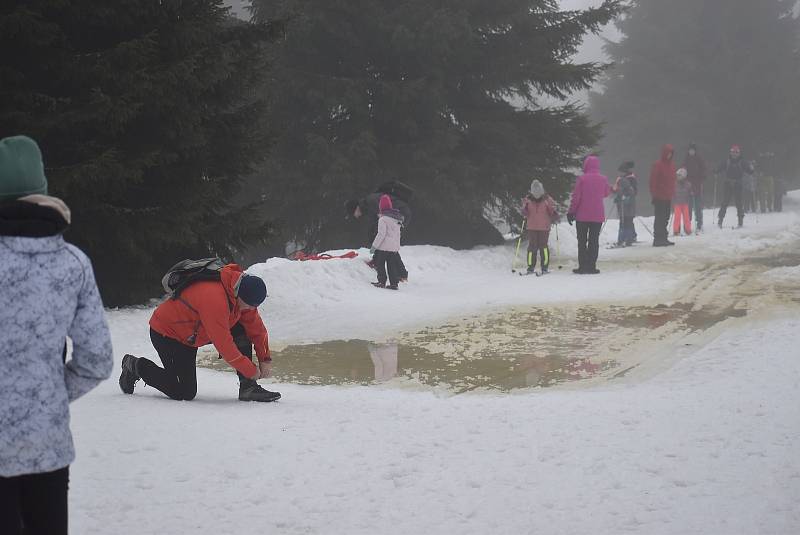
(537, 190)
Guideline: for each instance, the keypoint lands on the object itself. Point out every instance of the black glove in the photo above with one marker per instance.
(570, 219)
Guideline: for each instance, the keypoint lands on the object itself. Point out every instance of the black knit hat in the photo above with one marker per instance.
(252, 290)
(626, 167)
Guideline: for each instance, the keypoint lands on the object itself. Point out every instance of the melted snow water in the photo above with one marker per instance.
(535, 346)
(515, 349)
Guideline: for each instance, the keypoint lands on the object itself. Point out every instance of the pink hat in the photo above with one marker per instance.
(736, 148)
(385, 203)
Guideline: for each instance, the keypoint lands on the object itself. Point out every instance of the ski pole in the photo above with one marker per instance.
(519, 241)
(645, 227)
(558, 247)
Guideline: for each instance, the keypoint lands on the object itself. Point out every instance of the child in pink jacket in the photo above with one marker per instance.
(386, 245)
(539, 210)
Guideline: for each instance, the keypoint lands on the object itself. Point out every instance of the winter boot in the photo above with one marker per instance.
(129, 375)
(249, 390)
(391, 287)
(379, 284)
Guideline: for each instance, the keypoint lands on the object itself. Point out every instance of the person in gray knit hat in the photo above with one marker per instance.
(49, 294)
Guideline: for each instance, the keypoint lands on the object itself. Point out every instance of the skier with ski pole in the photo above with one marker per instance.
(540, 212)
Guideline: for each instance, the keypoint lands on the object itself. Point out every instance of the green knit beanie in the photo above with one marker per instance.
(21, 168)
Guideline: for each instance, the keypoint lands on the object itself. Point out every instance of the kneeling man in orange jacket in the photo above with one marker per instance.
(223, 313)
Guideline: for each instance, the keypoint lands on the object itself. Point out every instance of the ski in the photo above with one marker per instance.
(537, 273)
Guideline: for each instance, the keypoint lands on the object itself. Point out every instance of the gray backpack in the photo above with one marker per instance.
(187, 272)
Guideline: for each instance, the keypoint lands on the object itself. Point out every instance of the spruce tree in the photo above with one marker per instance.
(447, 96)
(148, 115)
(712, 72)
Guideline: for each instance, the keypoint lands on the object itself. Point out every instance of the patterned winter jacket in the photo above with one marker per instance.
(47, 293)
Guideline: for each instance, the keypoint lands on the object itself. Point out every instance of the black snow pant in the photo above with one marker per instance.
(588, 244)
(662, 211)
(400, 265)
(34, 504)
(538, 243)
(178, 378)
(733, 192)
(388, 261)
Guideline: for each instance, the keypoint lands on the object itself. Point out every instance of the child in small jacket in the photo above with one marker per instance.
(683, 195)
(539, 210)
(386, 246)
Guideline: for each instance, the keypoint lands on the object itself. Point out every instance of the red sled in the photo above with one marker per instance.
(300, 255)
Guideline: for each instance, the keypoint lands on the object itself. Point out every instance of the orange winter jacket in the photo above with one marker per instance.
(205, 312)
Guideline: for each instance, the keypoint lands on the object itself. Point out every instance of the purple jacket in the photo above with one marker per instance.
(590, 190)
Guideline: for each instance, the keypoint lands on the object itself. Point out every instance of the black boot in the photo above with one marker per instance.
(249, 390)
(129, 375)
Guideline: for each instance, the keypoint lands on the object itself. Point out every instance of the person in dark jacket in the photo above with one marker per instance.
(662, 189)
(48, 294)
(696, 171)
(733, 171)
(626, 188)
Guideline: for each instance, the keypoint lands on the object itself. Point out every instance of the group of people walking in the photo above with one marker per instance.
(677, 193)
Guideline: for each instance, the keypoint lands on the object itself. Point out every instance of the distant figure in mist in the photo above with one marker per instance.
(733, 170)
(696, 171)
(626, 188)
(662, 189)
(587, 210)
(681, 203)
(48, 293)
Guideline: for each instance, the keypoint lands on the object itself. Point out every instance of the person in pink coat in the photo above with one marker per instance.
(539, 210)
(587, 209)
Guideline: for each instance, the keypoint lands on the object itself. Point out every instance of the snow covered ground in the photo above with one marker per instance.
(709, 444)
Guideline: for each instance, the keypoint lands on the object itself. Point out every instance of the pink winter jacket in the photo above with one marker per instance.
(590, 190)
(539, 213)
(388, 237)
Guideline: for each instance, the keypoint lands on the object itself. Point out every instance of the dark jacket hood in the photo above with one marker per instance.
(34, 216)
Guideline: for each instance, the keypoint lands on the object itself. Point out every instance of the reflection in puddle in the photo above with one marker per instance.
(361, 362)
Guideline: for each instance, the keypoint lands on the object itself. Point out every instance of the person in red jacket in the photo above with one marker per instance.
(662, 189)
(223, 313)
